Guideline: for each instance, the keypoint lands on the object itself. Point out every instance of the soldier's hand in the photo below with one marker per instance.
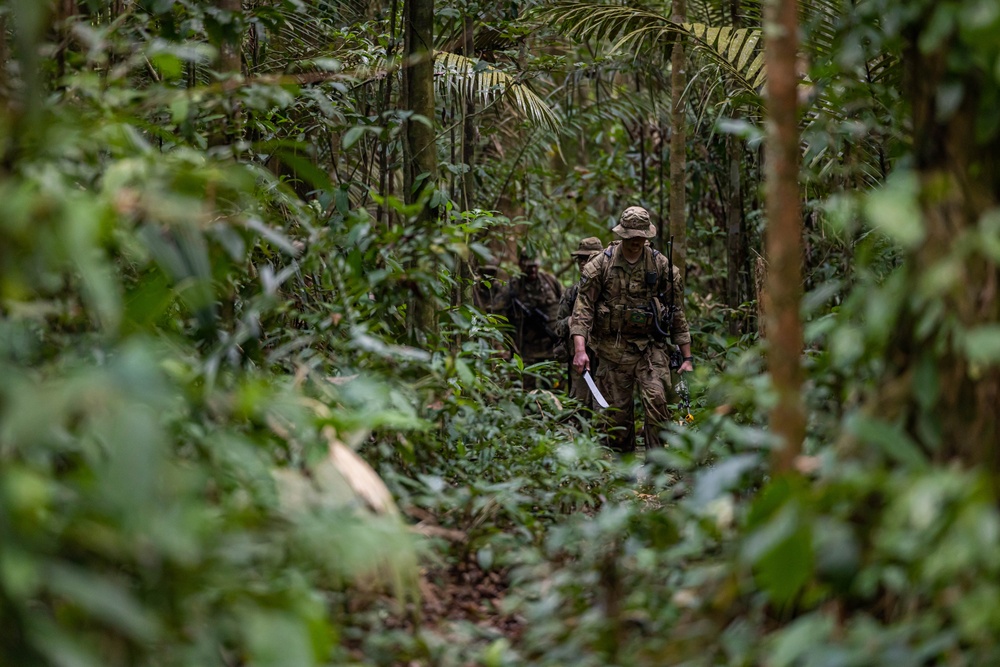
(581, 362)
(687, 366)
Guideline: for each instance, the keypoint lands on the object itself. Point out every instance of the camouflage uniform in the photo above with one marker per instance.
(613, 314)
(587, 249)
(531, 340)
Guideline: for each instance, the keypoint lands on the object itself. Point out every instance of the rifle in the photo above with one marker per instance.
(534, 314)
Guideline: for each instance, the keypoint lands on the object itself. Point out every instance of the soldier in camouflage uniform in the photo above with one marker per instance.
(530, 303)
(621, 291)
(586, 250)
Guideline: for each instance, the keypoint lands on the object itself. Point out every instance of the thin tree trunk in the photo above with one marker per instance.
(418, 93)
(735, 228)
(231, 65)
(384, 178)
(4, 52)
(420, 160)
(468, 122)
(678, 146)
(64, 11)
(230, 56)
(735, 241)
(784, 231)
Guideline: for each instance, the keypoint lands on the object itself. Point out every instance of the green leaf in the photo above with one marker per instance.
(797, 639)
(722, 477)
(894, 210)
(982, 344)
(306, 170)
(781, 554)
(106, 600)
(278, 639)
(353, 134)
(890, 439)
(464, 373)
(169, 65)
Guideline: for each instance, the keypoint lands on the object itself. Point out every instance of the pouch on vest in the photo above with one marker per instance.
(637, 322)
(602, 318)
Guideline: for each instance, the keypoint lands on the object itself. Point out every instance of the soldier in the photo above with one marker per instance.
(530, 303)
(623, 305)
(586, 250)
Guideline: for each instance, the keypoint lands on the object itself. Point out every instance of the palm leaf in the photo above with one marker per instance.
(737, 51)
(470, 78)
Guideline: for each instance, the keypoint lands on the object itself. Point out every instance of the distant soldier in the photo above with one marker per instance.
(530, 303)
(585, 251)
(628, 300)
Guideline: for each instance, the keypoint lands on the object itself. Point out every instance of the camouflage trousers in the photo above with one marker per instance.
(617, 379)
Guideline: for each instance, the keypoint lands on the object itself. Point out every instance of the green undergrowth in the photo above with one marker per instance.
(224, 442)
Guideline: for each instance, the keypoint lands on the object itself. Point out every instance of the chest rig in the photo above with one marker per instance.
(627, 305)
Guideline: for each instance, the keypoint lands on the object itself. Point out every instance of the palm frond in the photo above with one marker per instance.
(737, 51)
(471, 78)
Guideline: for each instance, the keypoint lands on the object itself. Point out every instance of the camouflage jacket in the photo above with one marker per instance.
(564, 346)
(616, 301)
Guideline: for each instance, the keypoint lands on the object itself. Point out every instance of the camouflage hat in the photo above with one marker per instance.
(634, 221)
(588, 247)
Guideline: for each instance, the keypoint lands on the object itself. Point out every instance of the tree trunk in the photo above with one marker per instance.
(230, 65)
(230, 57)
(678, 146)
(4, 52)
(468, 122)
(420, 158)
(784, 231)
(385, 180)
(953, 412)
(735, 229)
(735, 241)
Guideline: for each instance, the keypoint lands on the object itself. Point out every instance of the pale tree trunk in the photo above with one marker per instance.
(678, 146)
(420, 157)
(953, 412)
(784, 231)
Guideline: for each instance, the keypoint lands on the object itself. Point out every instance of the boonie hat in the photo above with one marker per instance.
(588, 247)
(633, 222)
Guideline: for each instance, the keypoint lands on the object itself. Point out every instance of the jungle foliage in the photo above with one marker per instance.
(226, 440)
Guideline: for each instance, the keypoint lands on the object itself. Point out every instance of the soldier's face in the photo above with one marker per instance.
(634, 245)
(530, 270)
